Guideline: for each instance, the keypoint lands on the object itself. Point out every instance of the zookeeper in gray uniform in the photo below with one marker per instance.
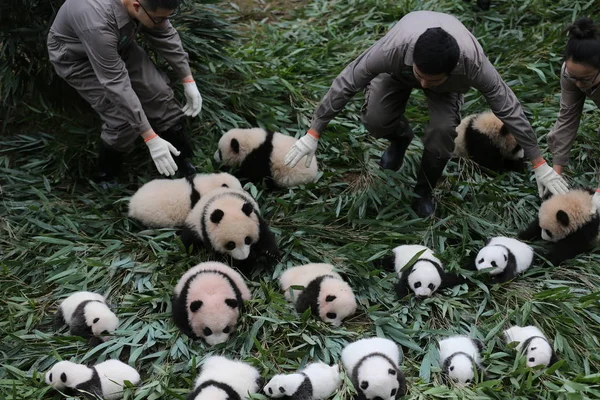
(436, 53)
(580, 78)
(92, 46)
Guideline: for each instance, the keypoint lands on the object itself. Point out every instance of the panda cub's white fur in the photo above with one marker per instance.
(373, 367)
(261, 154)
(165, 203)
(106, 379)
(223, 379)
(533, 344)
(504, 257)
(457, 356)
(325, 292)
(317, 381)
(424, 278)
(87, 315)
(207, 301)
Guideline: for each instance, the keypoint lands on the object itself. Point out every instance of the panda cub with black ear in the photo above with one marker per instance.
(208, 300)
(505, 258)
(228, 221)
(458, 355)
(325, 292)
(425, 277)
(165, 203)
(569, 221)
(223, 379)
(87, 315)
(105, 380)
(485, 139)
(260, 154)
(317, 381)
(532, 344)
(373, 367)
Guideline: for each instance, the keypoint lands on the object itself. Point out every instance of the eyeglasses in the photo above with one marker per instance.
(159, 20)
(583, 81)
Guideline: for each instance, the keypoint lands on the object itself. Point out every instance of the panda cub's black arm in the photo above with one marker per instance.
(575, 244)
(533, 231)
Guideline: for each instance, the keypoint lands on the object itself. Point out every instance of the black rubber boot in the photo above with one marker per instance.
(393, 157)
(177, 137)
(429, 174)
(110, 162)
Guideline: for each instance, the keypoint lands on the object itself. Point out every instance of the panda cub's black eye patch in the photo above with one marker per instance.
(431, 286)
(452, 368)
(481, 261)
(207, 331)
(364, 385)
(96, 320)
(468, 381)
(417, 285)
(227, 329)
(230, 245)
(531, 359)
(270, 391)
(248, 240)
(494, 264)
(63, 377)
(281, 389)
(331, 315)
(225, 185)
(50, 376)
(533, 348)
(393, 392)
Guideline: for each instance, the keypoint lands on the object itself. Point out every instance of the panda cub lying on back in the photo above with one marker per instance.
(317, 381)
(485, 139)
(259, 155)
(373, 367)
(569, 222)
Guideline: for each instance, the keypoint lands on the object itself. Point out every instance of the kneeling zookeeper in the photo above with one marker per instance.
(434, 52)
(92, 46)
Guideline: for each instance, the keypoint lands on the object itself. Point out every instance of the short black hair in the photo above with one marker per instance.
(153, 5)
(584, 42)
(436, 52)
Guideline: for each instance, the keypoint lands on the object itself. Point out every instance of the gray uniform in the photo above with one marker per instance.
(92, 46)
(562, 136)
(386, 68)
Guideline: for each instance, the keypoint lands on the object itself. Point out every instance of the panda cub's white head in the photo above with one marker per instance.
(538, 351)
(100, 318)
(236, 144)
(460, 369)
(424, 278)
(494, 258)
(377, 380)
(283, 385)
(336, 301)
(67, 374)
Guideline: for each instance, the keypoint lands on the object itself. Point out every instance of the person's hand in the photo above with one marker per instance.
(193, 98)
(596, 201)
(305, 146)
(548, 179)
(161, 150)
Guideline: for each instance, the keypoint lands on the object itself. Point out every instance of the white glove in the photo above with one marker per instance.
(596, 202)
(548, 178)
(161, 150)
(305, 146)
(193, 98)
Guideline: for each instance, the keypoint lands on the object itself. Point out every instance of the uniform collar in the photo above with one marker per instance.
(121, 15)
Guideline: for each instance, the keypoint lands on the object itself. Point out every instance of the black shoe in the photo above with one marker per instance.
(484, 4)
(393, 157)
(429, 174)
(110, 162)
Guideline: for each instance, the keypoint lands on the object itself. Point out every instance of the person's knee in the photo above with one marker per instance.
(381, 127)
(439, 140)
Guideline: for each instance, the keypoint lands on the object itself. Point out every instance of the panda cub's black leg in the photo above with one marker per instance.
(59, 320)
(190, 240)
(533, 231)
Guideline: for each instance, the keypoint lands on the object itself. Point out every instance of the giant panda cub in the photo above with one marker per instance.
(485, 139)
(458, 355)
(373, 367)
(105, 380)
(317, 381)
(425, 277)
(505, 258)
(568, 221)
(207, 302)
(223, 379)
(87, 315)
(325, 293)
(532, 344)
(165, 203)
(228, 221)
(260, 154)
